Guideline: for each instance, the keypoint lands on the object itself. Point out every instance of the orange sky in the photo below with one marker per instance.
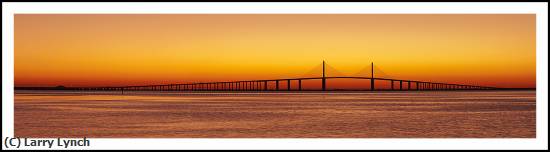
(109, 50)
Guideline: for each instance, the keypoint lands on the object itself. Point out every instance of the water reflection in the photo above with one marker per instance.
(483, 114)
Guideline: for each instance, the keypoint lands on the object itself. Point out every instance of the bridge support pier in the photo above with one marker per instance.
(424, 86)
(299, 84)
(277, 85)
(372, 84)
(428, 86)
(288, 85)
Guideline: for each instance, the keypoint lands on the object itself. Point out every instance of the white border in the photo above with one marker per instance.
(540, 9)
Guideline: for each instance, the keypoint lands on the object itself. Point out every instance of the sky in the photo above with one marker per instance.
(139, 49)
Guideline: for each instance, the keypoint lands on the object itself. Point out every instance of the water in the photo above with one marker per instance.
(454, 114)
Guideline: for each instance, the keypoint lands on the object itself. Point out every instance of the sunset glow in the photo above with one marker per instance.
(111, 50)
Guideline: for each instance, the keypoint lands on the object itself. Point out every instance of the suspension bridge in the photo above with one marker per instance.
(275, 84)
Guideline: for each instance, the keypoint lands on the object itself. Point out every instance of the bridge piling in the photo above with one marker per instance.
(424, 86)
(400, 84)
(300, 84)
(324, 78)
(288, 85)
(372, 76)
(428, 86)
(277, 85)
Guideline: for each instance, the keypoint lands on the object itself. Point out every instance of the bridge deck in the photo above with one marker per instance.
(262, 85)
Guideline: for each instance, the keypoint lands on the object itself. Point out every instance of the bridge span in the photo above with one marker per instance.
(264, 85)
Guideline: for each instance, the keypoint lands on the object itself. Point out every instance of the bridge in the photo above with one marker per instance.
(267, 85)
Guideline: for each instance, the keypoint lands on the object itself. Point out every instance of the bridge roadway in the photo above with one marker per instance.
(262, 85)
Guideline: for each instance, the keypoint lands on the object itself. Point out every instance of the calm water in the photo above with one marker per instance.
(491, 114)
